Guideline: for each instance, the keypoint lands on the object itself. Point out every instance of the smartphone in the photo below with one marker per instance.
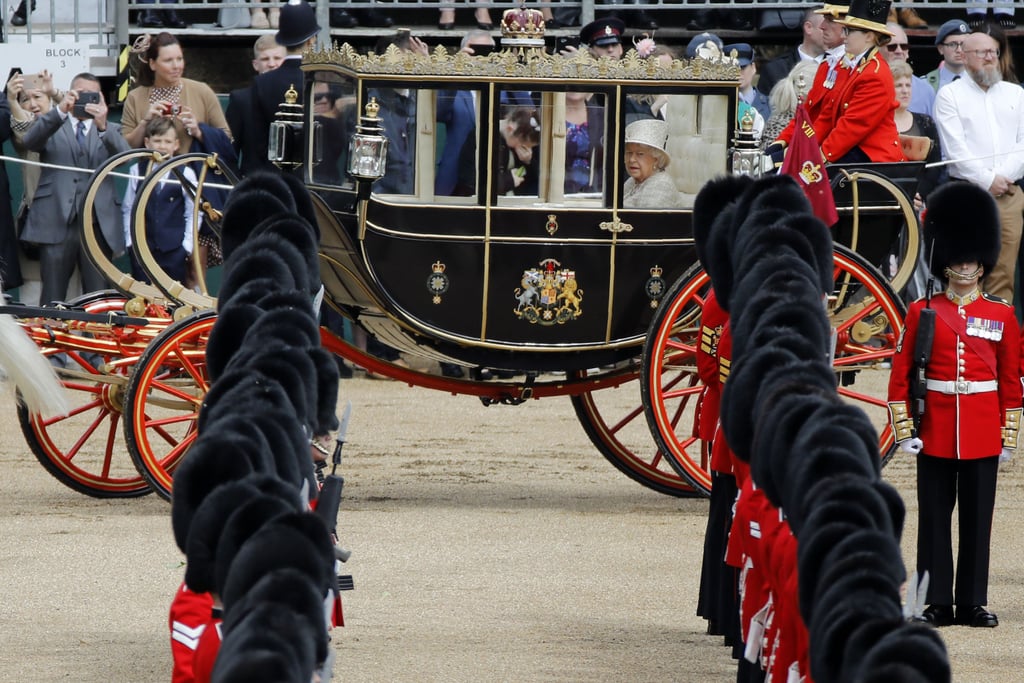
(13, 72)
(33, 81)
(403, 38)
(562, 42)
(84, 98)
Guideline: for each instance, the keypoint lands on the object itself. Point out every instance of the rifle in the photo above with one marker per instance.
(923, 351)
(329, 499)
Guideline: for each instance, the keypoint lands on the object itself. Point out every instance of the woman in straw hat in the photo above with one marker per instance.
(648, 186)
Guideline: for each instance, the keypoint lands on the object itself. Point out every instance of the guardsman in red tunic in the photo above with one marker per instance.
(858, 126)
(972, 403)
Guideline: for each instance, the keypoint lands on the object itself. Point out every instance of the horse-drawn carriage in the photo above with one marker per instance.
(559, 282)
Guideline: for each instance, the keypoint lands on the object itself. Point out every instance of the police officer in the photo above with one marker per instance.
(297, 30)
(972, 403)
(603, 37)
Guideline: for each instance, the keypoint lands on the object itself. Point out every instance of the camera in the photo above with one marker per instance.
(84, 98)
(172, 109)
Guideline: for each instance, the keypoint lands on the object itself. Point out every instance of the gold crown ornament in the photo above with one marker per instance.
(522, 30)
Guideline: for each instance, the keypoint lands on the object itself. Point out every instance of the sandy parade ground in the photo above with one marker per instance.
(489, 544)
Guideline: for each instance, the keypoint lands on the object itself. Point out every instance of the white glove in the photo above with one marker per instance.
(1006, 455)
(911, 446)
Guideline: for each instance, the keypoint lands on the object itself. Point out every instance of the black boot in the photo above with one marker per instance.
(372, 17)
(20, 16)
(150, 19)
(339, 18)
(172, 20)
(642, 20)
(703, 19)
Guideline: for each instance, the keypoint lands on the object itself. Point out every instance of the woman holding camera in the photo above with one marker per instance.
(162, 90)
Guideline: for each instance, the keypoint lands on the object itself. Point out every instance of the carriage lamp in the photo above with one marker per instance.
(284, 148)
(368, 148)
(746, 152)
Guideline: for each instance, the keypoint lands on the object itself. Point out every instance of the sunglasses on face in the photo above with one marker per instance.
(892, 47)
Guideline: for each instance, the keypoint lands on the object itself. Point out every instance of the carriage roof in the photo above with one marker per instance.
(511, 65)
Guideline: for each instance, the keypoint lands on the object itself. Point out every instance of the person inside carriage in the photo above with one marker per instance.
(648, 185)
(584, 142)
(519, 172)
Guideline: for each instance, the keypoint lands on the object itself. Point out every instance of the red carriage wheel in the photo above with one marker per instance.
(163, 399)
(865, 312)
(618, 428)
(84, 449)
(669, 383)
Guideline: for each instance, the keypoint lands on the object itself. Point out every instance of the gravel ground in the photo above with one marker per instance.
(489, 544)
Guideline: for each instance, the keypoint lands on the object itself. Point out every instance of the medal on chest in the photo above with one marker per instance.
(984, 329)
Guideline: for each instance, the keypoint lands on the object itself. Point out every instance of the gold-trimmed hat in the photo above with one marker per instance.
(834, 12)
(868, 15)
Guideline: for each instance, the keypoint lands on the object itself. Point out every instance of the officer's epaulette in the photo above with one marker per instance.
(994, 299)
(873, 58)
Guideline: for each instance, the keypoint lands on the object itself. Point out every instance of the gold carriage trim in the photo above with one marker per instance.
(506, 65)
(1011, 429)
(549, 295)
(899, 418)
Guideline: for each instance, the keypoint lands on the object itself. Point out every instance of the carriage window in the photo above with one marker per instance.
(550, 146)
(457, 113)
(398, 118)
(335, 110)
(517, 152)
(584, 143)
(696, 129)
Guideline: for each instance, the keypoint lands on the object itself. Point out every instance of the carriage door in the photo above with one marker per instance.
(548, 261)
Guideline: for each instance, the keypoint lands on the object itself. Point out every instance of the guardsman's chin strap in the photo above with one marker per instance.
(953, 275)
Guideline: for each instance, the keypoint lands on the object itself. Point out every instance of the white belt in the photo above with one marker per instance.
(961, 386)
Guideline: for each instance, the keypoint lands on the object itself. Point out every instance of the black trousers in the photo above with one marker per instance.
(970, 485)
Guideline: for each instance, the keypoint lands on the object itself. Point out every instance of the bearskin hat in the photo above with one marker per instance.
(961, 224)
(712, 230)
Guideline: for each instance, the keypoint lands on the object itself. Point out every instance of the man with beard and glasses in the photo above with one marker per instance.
(981, 130)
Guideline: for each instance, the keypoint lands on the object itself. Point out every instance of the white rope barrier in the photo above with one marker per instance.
(88, 171)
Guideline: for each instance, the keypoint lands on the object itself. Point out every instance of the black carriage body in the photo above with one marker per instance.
(551, 279)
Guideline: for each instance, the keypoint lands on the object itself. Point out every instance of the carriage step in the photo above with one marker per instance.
(345, 582)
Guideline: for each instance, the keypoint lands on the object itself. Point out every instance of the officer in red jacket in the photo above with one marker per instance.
(858, 124)
(972, 406)
(831, 73)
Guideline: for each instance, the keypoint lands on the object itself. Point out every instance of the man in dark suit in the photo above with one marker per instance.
(812, 47)
(267, 56)
(10, 268)
(73, 134)
(297, 31)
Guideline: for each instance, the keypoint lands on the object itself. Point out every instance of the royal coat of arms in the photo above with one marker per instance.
(549, 295)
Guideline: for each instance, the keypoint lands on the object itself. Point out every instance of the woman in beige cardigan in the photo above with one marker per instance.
(163, 91)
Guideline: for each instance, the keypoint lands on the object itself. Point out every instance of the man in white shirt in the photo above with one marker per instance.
(981, 127)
